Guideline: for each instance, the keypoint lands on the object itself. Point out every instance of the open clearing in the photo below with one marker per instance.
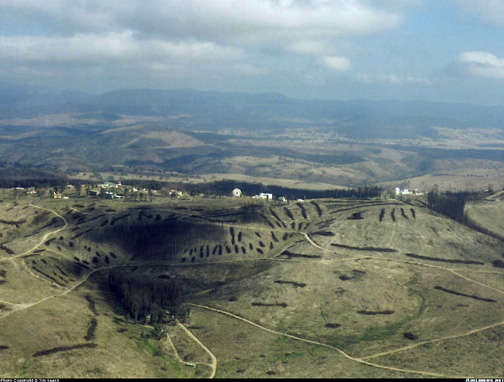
(326, 288)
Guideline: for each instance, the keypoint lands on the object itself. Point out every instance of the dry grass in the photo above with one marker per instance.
(353, 296)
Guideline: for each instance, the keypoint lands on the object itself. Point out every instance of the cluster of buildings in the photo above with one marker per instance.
(238, 194)
(406, 191)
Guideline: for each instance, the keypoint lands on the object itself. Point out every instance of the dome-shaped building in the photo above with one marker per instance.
(237, 193)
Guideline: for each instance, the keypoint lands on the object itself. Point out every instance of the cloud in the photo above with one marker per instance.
(337, 63)
(489, 11)
(109, 47)
(479, 64)
(244, 22)
(390, 79)
(186, 38)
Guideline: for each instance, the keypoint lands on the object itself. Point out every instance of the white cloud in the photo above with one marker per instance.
(188, 38)
(480, 64)
(337, 63)
(251, 21)
(109, 47)
(390, 79)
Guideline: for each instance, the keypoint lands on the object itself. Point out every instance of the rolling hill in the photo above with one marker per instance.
(328, 287)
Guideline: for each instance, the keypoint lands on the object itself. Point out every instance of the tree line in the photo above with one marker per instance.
(224, 187)
(140, 299)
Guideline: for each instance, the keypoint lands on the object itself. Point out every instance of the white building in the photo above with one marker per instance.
(406, 191)
(237, 193)
(262, 195)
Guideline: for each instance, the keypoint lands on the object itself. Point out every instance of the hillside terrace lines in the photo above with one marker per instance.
(379, 258)
(454, 271)
(26, 306)
(356, 359)
(44, 238)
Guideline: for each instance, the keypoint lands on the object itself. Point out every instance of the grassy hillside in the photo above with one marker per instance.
(332, 287)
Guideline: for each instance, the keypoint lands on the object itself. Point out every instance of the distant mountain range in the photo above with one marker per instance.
(211, 110)
(269, 135)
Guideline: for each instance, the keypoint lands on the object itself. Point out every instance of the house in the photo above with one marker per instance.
(56, 195)
(114, 194)
(263, 196)
(406, 191)
(108, 185)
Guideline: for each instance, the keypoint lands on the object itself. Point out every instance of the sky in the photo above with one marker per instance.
(443, 50)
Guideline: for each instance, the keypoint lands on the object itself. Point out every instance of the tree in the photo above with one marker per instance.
(158, 331)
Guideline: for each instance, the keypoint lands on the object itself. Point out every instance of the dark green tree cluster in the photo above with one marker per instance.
(140, 299)
(450, 204)
(224, 187)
